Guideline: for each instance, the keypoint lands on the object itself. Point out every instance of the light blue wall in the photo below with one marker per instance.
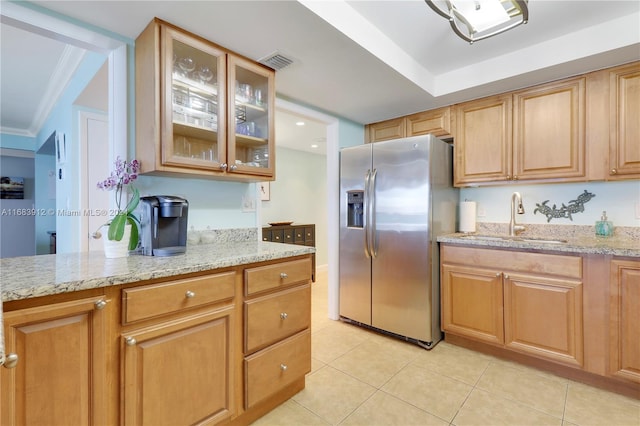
(17, 226)
(17, 142)
(619, 199)
(350, 133)
(45, 202)
(212, 204)
(64, 119)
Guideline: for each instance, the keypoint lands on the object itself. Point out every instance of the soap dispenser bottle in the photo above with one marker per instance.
(604, 228)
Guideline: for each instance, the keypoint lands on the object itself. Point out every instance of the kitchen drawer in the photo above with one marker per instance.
(298, 237)
(266, 235)
(309, 236)
(274, 368)
(275, 276)
(276, 316)
(277, 236)
(288, 236)
(158, 299)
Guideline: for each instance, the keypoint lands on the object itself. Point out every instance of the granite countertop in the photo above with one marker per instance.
(577, 239)
(34, 276)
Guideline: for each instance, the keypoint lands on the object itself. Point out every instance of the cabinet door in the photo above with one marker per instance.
(472, 303)
(60, 377)
(250, 122)
(179, 372)
(193, 102)
(483, 141)
(624, 347)
(543, 317)
(386, 130)
(549, 131)
(436, 122)
(624, 148)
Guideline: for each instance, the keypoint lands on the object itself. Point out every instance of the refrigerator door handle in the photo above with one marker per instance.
(371, 226)
(367, 180)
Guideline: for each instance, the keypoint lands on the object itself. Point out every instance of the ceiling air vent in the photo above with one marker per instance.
(276, 60)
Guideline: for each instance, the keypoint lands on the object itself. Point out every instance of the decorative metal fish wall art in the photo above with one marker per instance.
(566, 211)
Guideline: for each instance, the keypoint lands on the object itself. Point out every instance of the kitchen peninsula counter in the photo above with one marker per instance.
(35, 276)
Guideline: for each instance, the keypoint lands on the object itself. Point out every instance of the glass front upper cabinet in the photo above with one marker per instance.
(194, 129)
(250, 122)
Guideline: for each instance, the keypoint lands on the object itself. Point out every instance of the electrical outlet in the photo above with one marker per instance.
(481, 212)
(637, 209)
(248, 204)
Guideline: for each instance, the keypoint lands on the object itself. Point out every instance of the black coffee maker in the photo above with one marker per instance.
(163, 225)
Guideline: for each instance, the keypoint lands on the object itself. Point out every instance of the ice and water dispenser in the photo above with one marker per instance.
(355, 209)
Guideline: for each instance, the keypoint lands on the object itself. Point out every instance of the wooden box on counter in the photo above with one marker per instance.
(293, 233)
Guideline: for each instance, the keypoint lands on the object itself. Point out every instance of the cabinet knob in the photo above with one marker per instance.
(614, 171)
(283, 315)
(233, 168)
(515, 177)
(508, 177)
(283, 367)
(498, 274)
(506, 276)
(283, 275)
(130, 341)
(223, 166)
(189, 294)
(11, 360)
(100, 304)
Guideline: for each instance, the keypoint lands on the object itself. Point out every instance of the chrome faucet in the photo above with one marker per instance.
(513, 228)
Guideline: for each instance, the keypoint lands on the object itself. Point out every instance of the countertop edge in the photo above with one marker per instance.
(131, 269)
(609, 246)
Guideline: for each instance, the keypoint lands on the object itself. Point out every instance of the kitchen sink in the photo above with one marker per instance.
(515, 238)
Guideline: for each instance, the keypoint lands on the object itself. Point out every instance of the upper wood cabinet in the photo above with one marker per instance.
(624, 121)
(385, 130)
(549, 131)
(483, 143)
(533, 134)
(201, 109)
(436, 122)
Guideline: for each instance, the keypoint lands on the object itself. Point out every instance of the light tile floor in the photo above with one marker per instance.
(363, 378)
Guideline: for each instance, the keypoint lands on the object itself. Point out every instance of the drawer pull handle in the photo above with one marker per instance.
(130, 341)
(189, 294)
(283, 367)
(283, 275)
(283, 315)
(100, 304)
(11, 360)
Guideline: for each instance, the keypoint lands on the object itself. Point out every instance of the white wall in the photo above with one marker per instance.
(299, 194)
(619, 199)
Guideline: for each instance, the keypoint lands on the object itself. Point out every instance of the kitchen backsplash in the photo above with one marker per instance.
(621, 200)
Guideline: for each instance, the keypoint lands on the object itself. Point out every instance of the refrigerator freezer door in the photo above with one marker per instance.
(355, 265)
(401, 272)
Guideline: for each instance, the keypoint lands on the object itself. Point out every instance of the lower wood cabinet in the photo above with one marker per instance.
(527, 302)
(179, 371)
(277, 321)
(624, 345)
(224, 346)
(60, 376)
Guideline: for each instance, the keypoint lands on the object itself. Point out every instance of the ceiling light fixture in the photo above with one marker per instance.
(474, 20)
(299, 123)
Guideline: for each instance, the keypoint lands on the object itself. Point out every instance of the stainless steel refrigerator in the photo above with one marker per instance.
(396, 197)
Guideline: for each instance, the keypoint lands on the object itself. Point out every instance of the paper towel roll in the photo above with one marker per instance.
(467, 216)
